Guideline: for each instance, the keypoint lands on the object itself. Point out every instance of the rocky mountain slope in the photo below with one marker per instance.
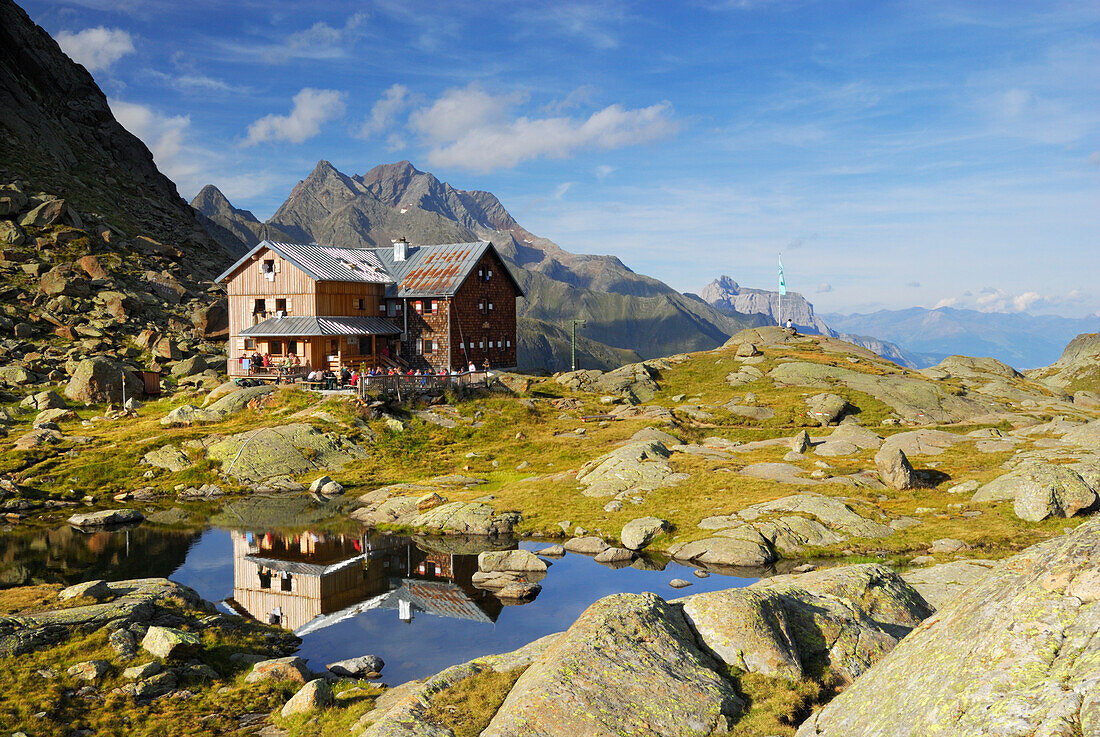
(1019, 339)
(1077, 371)
(58, 135)
(625, 311)
(729, 297)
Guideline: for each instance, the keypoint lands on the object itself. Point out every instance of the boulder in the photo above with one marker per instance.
(520, 561)
(99, 379)
(89, 670)
(940, 583)
(641, 465)
(96, 589)
(628, 665)
(312, 696)
(782, 626)
(170, 643)
(291, 668)
(894, 468)
(826, 409)
(1040, 490)
(14, 374)
(92, 267)
(612, 556)
(590, 545)
(736, 547)
(1014, 654)
(468, 518)
(325, 486)
(105, 518)
(800, 443)
(357, 667)
(168, 457)
(638, 533)
(47, 213)
(211, 321)
(747, 350)
(43, 401)
(294, 449)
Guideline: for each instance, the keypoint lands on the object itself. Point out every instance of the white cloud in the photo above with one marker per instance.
(561, 189)
(311, 109)
(382, 115)
(96, 48)
(324, 41)
(1023, 301)
(824, 287)
(946, 302)
(474, 129)
(603, 171)
(163, 134)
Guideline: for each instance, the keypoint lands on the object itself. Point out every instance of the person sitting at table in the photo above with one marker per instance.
(329, 379)
(355, 378)
(267, 360)
(345, 375)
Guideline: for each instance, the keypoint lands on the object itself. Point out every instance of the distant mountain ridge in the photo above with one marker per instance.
(630, 314)
(728, 296)
(1022, 340)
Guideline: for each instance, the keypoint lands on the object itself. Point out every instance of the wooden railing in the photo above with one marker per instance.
(400, 384)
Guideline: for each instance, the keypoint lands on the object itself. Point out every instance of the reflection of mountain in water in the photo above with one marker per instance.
(307, 581)
(67, 556)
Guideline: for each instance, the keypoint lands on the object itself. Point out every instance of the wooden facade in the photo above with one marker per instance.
(255, 297)
(473, 321)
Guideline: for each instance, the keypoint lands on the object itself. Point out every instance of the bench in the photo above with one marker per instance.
(596, 418)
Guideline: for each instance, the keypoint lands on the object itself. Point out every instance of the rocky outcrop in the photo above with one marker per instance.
(638, 533)
(99, 379)
(1040, 490)
(916, 400)
(286, 449)
(628, 665)
(940, 583)
(105, 518)
(1015, 654)
(784, 626)
(640, 465)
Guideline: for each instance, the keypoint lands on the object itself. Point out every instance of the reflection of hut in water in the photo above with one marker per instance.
(292, 579)
(308, 581)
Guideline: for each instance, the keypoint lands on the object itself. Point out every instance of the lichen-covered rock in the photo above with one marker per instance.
(628, 665)
(587, 545)
(737, 547)
(96, 589)
(939, 584)
(1040, 490)
(894, 469)
(510, 560)
(638, 533)
(291, 668)
(99, 379)
(780, 626)
(89, 670)
(168, 457)
(106, 518)
(641, 465)
(286, 449)
(357, 667)
(467, 518)
(168, 642)
(1015, 654)
(312, 696)
(826, 409)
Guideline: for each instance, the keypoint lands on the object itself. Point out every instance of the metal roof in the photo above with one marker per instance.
(324, 263)
(303, 327)
(301, 567)
(427, 271)
(440, 598)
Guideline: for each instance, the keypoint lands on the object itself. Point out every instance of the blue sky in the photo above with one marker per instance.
(896, 153)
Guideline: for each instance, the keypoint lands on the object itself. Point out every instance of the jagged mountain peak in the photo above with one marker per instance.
(211, 201)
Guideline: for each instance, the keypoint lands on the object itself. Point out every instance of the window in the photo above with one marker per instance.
(286, 584)
(435, 306)
(334, 346)
(265, 579)
(269, 266)
(292, 348)
(360, 304)
(418, 306)
(382, 309)
(275, 348)
(481, 344)
(250, 344)
(481, 307)
(280, 305)
(419, 347)
(507, 344)
(259, 307)
(484, 274)
(490, 307)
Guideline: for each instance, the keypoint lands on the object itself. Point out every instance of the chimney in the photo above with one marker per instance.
(400, 249)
